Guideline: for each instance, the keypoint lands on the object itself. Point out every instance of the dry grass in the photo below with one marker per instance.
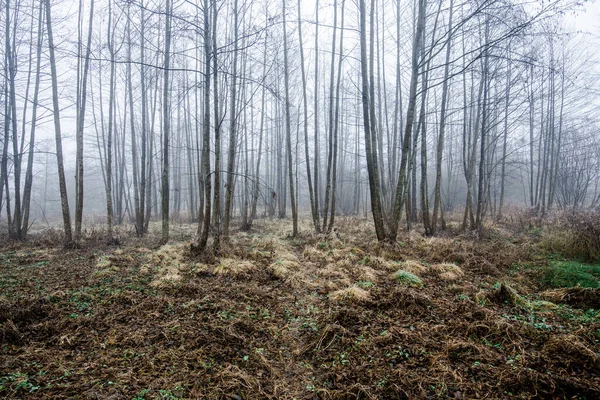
(577, 297)
(312, 317)
(352, 294)
(103, 262)
(234, 268)
(570, 351)
(169, 263)
(316, 256)
(414, 267)
(448, 271)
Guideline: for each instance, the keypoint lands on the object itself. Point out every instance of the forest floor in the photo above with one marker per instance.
(316, 317)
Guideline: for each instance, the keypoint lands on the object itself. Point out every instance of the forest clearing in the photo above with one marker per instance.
(335, 316)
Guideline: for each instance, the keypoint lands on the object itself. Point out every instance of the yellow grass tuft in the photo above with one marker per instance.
(414, 267)
(106, 271)
(366, 273)
(313, 255)
(279, 270)
(170, 260)
(332, 272)
(542, 305)
(103, 262)
(375, 262)
(298, 280)
(481, 298)
(233, 267)
(352, 294)
(169, 255)
(448, 271)
(145, 269)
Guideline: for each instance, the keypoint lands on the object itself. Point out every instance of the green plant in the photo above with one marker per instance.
(382, 382)
(167, 395)
(408, 279)
(18, 382)
(559, 274)
(175, 394)
(360, 340)
(225, 315)
(340, 359)
(589, 316)
(142, 394)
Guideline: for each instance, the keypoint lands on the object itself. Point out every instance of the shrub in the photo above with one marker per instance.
(575, 235)
(585, 229)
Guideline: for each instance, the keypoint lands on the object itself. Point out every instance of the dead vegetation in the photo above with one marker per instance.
(325, 317)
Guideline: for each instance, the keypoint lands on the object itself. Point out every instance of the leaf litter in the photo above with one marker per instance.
(275, 317)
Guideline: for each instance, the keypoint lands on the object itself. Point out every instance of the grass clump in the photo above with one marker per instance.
(352, 294)
(414, 267)
(448, 271)
(233, 267)
(408, 279)
(562, 274)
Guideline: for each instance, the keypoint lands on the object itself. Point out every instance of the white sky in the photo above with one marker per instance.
(589, 19)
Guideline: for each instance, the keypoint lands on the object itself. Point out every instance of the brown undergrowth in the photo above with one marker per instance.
(317, 317)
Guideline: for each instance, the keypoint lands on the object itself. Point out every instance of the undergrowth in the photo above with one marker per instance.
(321, 316)
(559, 274)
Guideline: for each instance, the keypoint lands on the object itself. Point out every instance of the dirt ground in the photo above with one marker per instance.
(316, 317)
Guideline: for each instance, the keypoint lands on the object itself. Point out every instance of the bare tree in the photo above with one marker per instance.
(288, 128)
(166, 127)
(64, 200)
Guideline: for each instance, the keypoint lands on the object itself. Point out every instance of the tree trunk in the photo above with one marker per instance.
(505, 138)
(401, 189)
(64, 200)
(442, 136)
(311, 192)
(36, 91)
(484, 126)
(80, 125)
(256, 186)
(206, 213)
(166, 128)
(288, 128)
(336, 124)
(217, 128)
(232, 126)
(367, 124)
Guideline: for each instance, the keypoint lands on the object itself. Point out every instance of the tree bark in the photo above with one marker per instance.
(401, 189)
(166, 128)
(442, 136)
(288, 128)
(368, 130)
(64, 200)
